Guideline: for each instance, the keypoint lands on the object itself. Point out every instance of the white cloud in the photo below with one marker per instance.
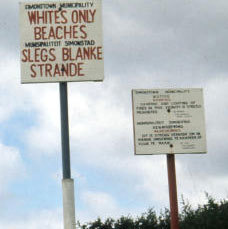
(11, 166)
(104, 205)
(10, 99)
(100, 204)
(39, 102)
(12, 169)
(43, 138)
(46, 219)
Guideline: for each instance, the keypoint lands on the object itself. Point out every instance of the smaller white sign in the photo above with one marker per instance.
(168, 121)
(61, 41)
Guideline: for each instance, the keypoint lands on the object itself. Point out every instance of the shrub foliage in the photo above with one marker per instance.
(212, 215)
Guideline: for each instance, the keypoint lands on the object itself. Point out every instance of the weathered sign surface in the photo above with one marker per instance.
(61, 41)
(169, 121)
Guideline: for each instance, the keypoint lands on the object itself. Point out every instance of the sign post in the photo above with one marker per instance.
(169, 121)
(62, 42)
(172, 191)
(65, 130)
(67, 182)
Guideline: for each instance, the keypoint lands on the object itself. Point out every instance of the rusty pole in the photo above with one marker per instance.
(172, 191)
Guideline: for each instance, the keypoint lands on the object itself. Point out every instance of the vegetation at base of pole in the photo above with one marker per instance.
(211, 215)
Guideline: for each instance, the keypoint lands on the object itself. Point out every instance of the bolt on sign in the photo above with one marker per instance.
(61, 41)
(168, 121)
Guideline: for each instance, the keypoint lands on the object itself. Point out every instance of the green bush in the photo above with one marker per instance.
(212, 215)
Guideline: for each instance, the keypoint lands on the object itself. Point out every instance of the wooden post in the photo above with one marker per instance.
(172, 191)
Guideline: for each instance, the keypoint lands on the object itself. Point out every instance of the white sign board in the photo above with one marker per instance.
(168, 121)
(61, 41)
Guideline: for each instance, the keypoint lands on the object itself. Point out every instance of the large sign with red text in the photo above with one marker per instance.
(169, 121)
(61, 41)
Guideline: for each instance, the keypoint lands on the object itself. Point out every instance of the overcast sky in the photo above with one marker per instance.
(147, 44)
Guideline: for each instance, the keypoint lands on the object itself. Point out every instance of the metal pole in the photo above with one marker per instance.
(172, 191)
(65, 130)
(67, 182)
